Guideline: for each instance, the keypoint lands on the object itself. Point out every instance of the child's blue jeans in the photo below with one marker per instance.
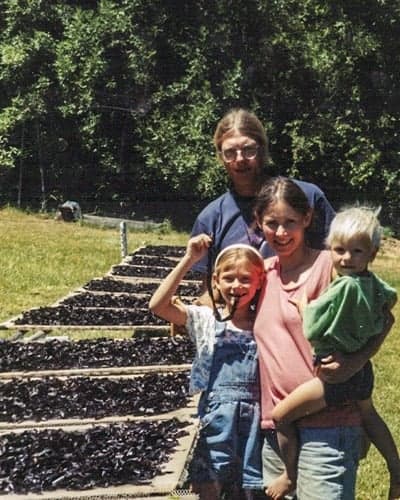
(229, 446)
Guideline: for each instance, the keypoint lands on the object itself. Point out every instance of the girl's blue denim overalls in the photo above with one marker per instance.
(229, 446)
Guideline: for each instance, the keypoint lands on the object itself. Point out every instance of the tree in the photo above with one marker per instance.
(127, 94)
(27, 122)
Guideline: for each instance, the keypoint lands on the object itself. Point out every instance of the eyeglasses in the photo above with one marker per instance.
(248, 153)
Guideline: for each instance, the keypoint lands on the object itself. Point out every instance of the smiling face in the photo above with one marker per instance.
(237, 281)
(352, 256)
(243, 172)
(284, 228)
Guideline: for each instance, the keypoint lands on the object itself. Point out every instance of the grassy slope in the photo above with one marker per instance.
(373, 478)
(41, 260)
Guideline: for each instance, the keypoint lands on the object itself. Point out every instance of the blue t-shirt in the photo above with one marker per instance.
(229, 219)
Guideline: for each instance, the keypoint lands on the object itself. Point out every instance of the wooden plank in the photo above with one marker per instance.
(99, 372)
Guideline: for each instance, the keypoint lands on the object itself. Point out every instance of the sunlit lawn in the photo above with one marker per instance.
(41, 260)
(373, 477)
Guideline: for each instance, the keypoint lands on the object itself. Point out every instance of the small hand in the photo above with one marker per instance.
(198, 246)
(336, 368)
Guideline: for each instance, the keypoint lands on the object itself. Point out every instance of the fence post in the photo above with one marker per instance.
(123, 239)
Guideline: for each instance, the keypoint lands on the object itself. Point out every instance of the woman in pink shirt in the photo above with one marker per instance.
(329, 440)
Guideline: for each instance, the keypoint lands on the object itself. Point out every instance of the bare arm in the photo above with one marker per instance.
(162, 303)
(339, 367)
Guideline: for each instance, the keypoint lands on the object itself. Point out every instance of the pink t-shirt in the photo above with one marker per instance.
(285, 355)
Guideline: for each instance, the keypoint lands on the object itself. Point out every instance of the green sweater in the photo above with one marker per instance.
(348, 313)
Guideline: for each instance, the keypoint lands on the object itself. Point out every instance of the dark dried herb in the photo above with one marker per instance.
(68, 315)
(164, 250)
(117, 285)
(149, 272)
(124, 310)
(107, 300)
(92, 397)
(46, 460)
(94, 353)
(150, 260)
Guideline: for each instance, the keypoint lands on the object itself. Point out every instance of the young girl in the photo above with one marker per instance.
(351, 310)
(225, 369)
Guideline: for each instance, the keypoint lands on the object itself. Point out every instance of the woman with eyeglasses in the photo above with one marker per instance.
(242, 147)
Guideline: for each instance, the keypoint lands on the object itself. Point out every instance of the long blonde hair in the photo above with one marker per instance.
(228, 258)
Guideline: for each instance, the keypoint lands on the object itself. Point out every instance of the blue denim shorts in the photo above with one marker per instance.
(229, 445)
(327, 465)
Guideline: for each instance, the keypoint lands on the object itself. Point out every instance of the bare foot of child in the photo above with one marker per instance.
(280, 487)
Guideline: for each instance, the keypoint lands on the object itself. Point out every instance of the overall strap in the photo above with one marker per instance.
(220, 329)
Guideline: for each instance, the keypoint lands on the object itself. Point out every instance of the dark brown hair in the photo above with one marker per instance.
(280, 189)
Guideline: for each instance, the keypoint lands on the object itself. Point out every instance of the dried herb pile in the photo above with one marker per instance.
(126, 300)
(94, 353)
(103, 456)
(149, 272)
(150, 260)
(71, 315)
(92, 397)
(165, 250)
(108, 284)
(89, 309)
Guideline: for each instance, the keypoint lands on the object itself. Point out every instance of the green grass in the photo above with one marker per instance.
(41, 260)
(373, 479)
